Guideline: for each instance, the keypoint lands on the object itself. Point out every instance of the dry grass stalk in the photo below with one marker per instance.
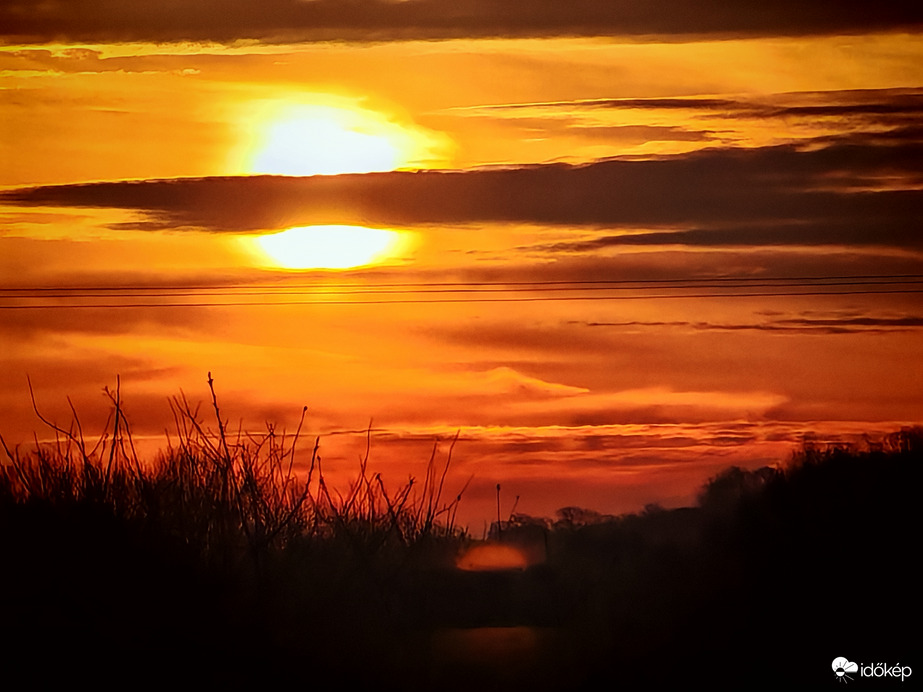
(232, 498)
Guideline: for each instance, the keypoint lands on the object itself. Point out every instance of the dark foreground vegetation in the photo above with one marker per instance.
(218, 564)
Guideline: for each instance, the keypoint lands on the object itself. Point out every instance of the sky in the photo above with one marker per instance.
(612, 247)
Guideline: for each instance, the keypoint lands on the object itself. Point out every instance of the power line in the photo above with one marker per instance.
(466, 291)
(456, 286)
(375, 290)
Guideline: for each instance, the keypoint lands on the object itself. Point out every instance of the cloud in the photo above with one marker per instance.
(806, 325)
(36, 326)
(650, 404)
(868, 102)
(867, 228)
(505, 380)
(498, 384)
(821, 118)
(26, 21)
(779, 195)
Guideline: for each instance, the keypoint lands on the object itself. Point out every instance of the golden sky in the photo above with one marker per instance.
(616, 249)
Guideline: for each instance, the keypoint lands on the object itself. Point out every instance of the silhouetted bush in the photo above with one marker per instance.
(220, 556)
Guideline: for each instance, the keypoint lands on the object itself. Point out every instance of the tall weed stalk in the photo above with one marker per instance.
(232, 497)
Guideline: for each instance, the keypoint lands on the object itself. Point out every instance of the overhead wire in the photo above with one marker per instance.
(851, 278)
(460, 291)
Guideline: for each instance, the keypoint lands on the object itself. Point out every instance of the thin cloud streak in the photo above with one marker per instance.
(878, 102)
(842, 325)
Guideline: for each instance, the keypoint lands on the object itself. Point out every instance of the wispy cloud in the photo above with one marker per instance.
(646, 127)
(868, 102)
(787, 325)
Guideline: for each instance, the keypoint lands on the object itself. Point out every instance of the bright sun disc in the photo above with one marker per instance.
(330, 137)
(328, 247)
(314, 140)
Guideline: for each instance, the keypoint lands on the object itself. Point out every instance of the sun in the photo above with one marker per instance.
(330, 136)
(327, 247)
(311, 140)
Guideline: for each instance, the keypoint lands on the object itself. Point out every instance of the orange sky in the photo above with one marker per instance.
(613, 239)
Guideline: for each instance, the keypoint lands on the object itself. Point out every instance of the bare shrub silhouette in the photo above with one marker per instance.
(226, 496)
(234, 514)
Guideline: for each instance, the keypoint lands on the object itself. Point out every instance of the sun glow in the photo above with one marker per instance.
(491, 556)
(331, 137)
(328, 247)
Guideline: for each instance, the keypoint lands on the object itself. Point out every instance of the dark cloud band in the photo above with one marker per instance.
(780, 195)
(375, 20)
